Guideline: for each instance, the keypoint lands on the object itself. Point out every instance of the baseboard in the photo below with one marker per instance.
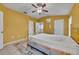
(75, 40)
(17, 41)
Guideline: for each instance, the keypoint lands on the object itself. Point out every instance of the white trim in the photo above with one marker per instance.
(70, 23)
(16, 41)
(1, 29)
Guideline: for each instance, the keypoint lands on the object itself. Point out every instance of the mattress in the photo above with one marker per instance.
(58, 42)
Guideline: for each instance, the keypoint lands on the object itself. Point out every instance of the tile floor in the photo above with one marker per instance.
(27, 50)
(10, 50)
(19, 49)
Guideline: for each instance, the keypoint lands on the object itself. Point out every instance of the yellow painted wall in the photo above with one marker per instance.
(15, 25)
(49, 28)
(75, 22)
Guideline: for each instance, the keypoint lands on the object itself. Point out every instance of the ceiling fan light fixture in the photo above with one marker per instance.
(39, 11)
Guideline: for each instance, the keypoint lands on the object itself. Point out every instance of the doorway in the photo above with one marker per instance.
(59, 27)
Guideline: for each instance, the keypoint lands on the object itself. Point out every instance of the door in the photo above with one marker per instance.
(31, 28)
(1, 29)
(59, 27)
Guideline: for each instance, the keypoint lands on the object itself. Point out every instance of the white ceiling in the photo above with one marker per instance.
(53, 8)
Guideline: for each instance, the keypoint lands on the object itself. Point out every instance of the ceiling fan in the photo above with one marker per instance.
(39, 8)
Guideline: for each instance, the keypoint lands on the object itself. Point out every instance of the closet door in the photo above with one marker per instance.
(1, 30)
(59, 27)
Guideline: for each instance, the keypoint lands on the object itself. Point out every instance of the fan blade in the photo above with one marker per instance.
(34, 6)
(25, 12)
(45, 10)
(43, 5)
(33, 11)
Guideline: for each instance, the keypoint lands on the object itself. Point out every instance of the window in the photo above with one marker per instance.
(39, 27)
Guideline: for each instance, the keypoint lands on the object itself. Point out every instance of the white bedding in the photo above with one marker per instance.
(59, 42)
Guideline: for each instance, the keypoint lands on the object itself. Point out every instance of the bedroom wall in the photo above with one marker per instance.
(50, 30)
(75, 22)
(15, 25)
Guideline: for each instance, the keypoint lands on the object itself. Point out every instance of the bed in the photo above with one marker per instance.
(54, 44)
